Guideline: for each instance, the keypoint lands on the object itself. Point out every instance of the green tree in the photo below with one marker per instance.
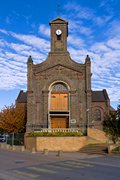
(111, 125)
(118, 112)
(13, 119)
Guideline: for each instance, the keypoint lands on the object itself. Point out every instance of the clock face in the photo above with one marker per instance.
(58, 32)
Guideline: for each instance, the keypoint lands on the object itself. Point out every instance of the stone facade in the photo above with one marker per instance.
(58, 67)
(84, 107)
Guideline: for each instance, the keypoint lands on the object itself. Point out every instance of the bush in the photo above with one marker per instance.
(111, 125)
(18, 139)
(57, 134)
(117, 149)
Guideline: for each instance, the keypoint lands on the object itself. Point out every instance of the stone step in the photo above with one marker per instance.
(95, 149)
(92, 141)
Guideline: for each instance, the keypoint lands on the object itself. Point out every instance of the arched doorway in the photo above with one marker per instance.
(59, 105)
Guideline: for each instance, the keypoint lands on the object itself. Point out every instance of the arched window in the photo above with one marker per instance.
(97, 115)
(59, 97)
(59, 87)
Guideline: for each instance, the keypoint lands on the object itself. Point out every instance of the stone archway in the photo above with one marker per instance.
(59, 105)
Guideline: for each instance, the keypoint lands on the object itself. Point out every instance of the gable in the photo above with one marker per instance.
(59, 71)
(22, 97)
(58, 21)
(58, 66)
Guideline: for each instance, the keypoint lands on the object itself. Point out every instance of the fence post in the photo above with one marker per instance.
(45, 151)
(12, 138)
(6, 139)
(33, 150)
(22, 148)
(59, 153)
(13, 148)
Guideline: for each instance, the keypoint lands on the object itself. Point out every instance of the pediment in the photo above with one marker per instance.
(60, 72)
(57, 67)
(58, 21)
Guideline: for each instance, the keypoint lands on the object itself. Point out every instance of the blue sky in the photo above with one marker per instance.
(94, 29)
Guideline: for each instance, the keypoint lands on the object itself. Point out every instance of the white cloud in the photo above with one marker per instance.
(104, 53)
(33, 41)
(78, 11)
(19, 47)
(43, 29)
(75, 41)
(84, 13)
(4, 31)
(114, 43)
(13, 57)
(114, 29)
(100, 47)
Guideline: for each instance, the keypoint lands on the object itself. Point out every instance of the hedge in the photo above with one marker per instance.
(52, 134)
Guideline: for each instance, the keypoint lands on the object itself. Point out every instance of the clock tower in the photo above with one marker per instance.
(59, 33)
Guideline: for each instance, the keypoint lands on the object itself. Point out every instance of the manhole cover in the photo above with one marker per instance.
(19, 161)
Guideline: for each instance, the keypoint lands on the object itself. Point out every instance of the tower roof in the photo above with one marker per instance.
(99, 96)
(58, 20)
(22, 97)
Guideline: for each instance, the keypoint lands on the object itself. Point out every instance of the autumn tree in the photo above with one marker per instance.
(13, 119)
(111, 125)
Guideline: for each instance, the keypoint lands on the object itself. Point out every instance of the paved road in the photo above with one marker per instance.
(68, 166)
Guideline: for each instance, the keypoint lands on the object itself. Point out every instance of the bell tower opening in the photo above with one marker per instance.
(59, 106)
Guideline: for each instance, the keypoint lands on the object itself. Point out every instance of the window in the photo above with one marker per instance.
(97, 115)
(59, 87)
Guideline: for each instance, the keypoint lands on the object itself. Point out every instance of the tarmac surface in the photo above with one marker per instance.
(59, 166)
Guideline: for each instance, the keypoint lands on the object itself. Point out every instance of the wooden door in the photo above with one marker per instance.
(59, 122)
(59, 101)
(63, 101)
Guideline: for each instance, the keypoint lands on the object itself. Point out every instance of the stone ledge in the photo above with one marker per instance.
(68, 144)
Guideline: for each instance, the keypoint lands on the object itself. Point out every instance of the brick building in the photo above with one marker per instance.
(59, 91)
